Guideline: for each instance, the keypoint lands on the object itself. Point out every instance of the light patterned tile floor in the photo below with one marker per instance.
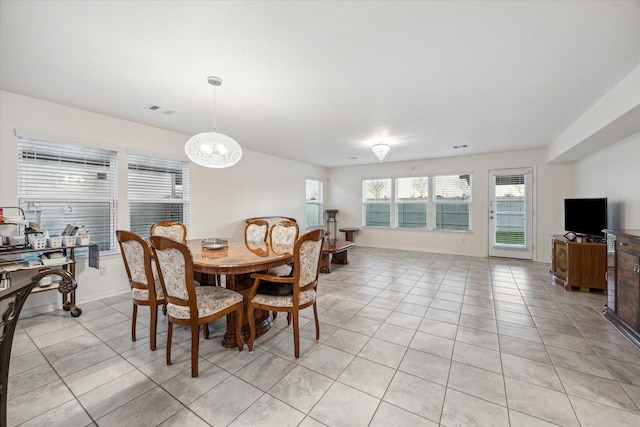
(407, 338)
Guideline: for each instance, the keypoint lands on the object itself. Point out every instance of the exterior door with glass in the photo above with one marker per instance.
(511, 213)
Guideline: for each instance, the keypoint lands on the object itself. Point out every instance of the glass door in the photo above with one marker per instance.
(511, 213)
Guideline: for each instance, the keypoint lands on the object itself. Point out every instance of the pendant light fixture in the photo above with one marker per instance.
(213, 149)
(380, 150)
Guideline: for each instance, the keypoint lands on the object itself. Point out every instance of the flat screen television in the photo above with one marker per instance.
(585, 217)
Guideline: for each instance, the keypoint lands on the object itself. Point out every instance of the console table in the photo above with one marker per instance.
(623, 298)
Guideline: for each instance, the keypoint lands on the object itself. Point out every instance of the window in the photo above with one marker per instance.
(411, 202)
(406, 203)
(377, 202)
(60, 184)
(158, 191)
(452, 199)
(314, 202)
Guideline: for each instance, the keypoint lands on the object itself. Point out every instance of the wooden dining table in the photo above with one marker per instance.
(237, 263)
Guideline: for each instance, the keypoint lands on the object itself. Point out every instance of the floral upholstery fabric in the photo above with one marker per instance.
(134, 254)
(209, 299)
(283, 235)
(281, 270)
(309, 257)
(172, 267)
(255, 233)
(285, 300)
(174, 232)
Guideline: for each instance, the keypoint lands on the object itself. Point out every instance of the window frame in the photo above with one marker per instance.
(429, 201)
(50, 171)
(153, 185)
(367, 202)
(318, 203)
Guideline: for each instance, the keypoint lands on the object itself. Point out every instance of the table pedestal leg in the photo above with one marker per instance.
(340, 258)
(242, 283)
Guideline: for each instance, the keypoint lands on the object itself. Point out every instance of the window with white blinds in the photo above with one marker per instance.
(158, 191)
(60, 184)
(313, 202)
(452, 199)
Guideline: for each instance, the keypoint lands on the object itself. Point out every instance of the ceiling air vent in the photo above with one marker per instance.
(152, 107)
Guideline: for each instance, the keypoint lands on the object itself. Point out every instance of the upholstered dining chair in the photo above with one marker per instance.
(302, 288)
(187, 304)
(283, 233)
(146, 290)
(256, 231)
(173, 229)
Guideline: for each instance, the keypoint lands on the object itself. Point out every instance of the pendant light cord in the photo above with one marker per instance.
(214, 109)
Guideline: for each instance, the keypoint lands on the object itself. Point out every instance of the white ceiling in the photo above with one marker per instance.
(321, 82)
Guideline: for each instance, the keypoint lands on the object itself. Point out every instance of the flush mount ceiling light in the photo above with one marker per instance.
(213, 149)
(380, 150)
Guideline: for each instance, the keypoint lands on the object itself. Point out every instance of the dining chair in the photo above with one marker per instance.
(146, 289)
(256, 231)
(302, 287)
(172, 229)
(187, 304)
(283, 233)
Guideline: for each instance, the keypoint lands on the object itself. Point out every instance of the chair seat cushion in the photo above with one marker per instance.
(284, 300)
(210, 300)
(281, 270)
(274, 288)
(143, 294)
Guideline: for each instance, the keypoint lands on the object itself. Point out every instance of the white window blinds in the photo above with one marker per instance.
(60, 184)
(158, 191)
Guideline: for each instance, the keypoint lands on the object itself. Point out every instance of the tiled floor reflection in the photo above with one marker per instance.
(407, 339)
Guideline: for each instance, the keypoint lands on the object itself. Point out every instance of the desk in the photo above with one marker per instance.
(241, 260)
(338, 251)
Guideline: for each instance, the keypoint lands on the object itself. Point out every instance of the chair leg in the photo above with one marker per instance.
(205, 330)
(169, 336)
(154, 325)
(296, 335)
(315, 315)
(288, 318)
(239, 327)
(134, 318)
(195, 346)
(252, 326)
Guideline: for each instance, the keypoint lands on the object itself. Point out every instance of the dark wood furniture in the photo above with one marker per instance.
(337, 251)
(349, 232)
(623, 298)
(237, 263)
(579, 264)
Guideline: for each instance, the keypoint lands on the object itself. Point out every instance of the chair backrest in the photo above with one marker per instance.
(306, 264)
(175, 267)
(172, 229)
(256, 231)
(284, 233)
(136, 255)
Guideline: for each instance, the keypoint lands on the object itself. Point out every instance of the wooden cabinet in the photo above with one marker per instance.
(623, 305)
(579, 264)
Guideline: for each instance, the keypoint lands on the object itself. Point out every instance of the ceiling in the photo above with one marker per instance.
(321, 82)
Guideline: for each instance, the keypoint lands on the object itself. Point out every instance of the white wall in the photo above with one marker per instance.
(553, 182)
(220, 198)
(613, 172)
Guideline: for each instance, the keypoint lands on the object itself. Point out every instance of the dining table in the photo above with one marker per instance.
(237, 260)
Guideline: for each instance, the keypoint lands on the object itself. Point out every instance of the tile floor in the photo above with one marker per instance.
(407, 339)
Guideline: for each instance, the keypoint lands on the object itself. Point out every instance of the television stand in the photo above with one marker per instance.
(578, 264)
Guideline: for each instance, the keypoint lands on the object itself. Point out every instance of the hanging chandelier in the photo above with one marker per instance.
(380, 150)
(213, 149)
